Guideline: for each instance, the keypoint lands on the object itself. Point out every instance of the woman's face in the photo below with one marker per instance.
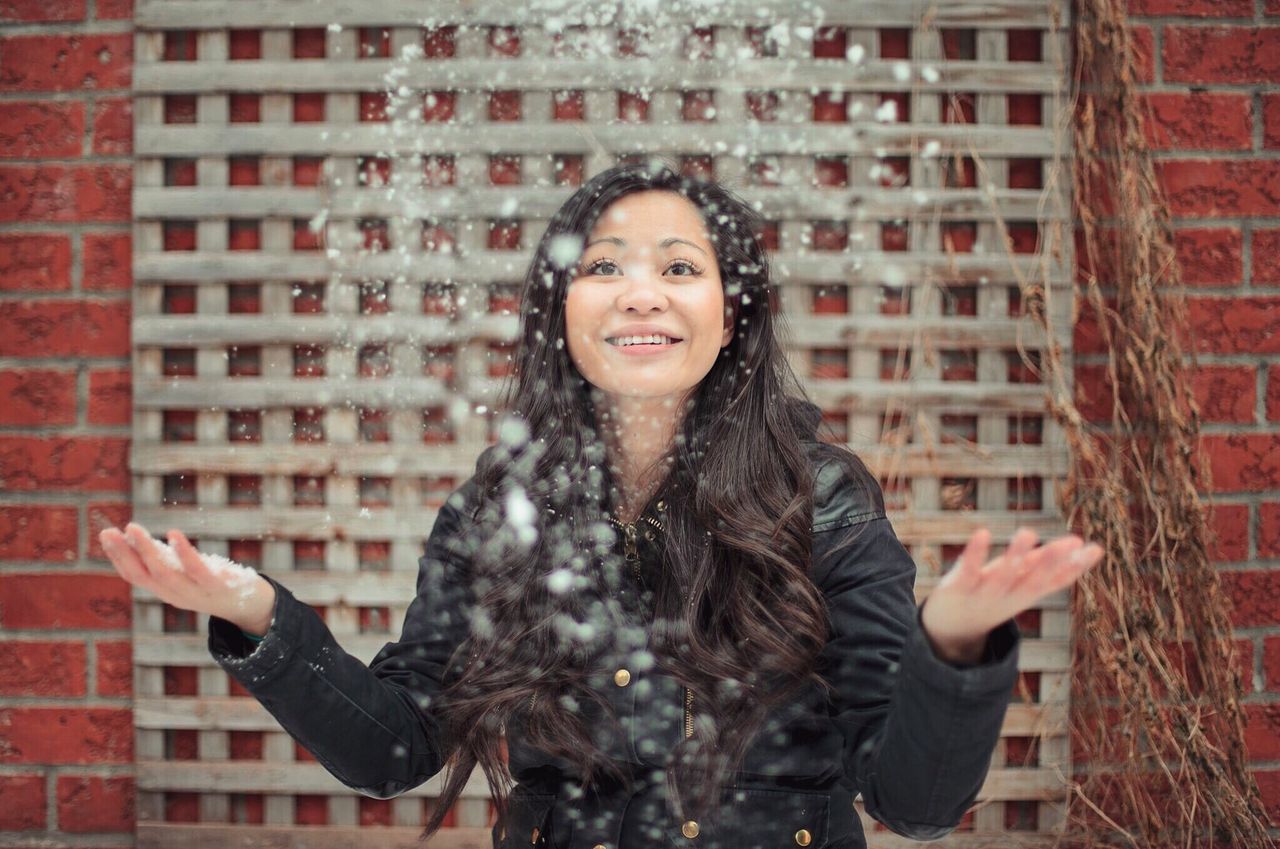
(648, 270)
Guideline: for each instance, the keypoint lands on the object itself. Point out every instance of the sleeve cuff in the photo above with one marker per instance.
(244, 658)
(997, 671)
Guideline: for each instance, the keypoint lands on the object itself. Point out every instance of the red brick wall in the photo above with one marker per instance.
(66, 741)
(1214, 86)
(66, 723)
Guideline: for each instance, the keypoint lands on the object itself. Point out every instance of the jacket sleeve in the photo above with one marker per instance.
(918, 731)
(375, 727)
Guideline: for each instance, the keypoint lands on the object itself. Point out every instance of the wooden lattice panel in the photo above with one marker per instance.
(333, 218)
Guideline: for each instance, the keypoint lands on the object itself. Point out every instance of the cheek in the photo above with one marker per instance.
(580, 319)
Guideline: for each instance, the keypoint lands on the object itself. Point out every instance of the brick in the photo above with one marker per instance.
(114, 669)
(1235, 325)
(1271, 664)
(113, 127)
(42, 668)
(1225, 393)
(81, 62)
(114, 10)
(1221, 54)
(1253, 594)
(1266, 257)
(1268, 780)
(1269, 530)
(110, 397)
(66, 735)
(1093, 392)
(1198, 121)
(92, 803)
(1271, 120)
(1210, 255)
(1262, 734)
(38, 532)
(108, 263)
(35, 262)
(1273, 393)
(1192, 8)
(79, 463)
(65, 193)
(40, 11)
(41, 129)
(1244, 462)
(42, 600)
(65, 329)
(38, 397)
(1143, 44)
(1087, 336)
(1207, 188)
(1229, 524)
(24, 803)
(104, 515)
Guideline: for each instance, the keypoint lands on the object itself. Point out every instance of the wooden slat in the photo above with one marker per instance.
(157, 835)
(539, 203)
(375, 460)
(193, 651)
(179, 14)
(267, 777)
(484, 266)
(806, 139)
(535, 73)
(244, 714)
(814, 331)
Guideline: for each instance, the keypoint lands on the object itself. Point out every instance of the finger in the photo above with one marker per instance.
(162, 564)
(1052, 552)
(193, 564)
(124, 558)
(1066, 570)
(1012, 562)
(969, 564)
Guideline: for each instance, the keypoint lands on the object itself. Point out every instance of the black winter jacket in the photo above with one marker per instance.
(912, 733)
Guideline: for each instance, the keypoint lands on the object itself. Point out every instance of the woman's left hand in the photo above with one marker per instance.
(972, 598)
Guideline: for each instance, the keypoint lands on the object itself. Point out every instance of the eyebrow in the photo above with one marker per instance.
(665, 243)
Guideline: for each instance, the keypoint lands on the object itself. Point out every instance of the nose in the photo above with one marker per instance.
(643, 291)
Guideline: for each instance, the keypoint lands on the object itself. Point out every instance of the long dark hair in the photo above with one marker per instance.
(737, 619)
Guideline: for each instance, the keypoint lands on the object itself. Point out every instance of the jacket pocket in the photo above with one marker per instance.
(528, 816)
(756, 818)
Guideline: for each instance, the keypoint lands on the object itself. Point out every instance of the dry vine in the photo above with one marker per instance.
(1156, 719)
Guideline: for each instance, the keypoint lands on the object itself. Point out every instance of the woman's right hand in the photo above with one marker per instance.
(239, 595)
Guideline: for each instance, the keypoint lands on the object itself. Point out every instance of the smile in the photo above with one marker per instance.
(652, 340)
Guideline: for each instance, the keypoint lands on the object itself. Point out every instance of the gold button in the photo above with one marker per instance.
(662, 505)
(622, 677)
(598, 846)
(803, 837)
(689, 829)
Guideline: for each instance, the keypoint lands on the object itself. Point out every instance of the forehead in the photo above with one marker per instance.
(645, 217)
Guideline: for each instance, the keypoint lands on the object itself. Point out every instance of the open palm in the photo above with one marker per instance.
(974, 597)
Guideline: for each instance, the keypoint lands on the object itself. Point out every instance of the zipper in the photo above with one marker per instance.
(632, 555)
(630, 551)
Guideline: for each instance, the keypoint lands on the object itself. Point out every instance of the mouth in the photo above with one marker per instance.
(652, 340)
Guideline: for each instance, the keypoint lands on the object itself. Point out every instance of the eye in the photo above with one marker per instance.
(591, 269)
(684, 263)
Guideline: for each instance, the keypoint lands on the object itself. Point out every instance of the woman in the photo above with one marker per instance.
(662, 603)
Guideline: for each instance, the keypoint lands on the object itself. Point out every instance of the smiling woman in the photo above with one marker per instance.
(663, 609)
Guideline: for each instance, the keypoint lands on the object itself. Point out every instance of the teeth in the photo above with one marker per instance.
(623, 341)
